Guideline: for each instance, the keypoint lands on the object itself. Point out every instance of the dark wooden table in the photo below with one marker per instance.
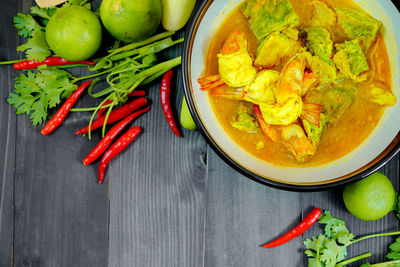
(165, 202)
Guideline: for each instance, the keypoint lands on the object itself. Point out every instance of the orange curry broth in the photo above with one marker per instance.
(337, 140)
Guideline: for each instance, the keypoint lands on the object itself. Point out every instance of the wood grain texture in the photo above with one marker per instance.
(157, 192)
(8, 41)
(61, 216)
(242, 214)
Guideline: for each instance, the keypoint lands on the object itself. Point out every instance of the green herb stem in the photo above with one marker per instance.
(11, 62)
(351, 260)
(142, 43)
(88, 109)
(154, 72)
(386, 264)
(371, 236)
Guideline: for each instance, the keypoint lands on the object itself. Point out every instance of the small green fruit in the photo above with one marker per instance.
(74, 33)
(371, 198)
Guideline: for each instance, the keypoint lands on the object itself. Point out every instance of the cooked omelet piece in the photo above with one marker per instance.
(356, 24)
(270, 16)
(322, 15)
(319, 43)
(351, 60)
(262, 89)
(326, 73)
(275, 48)
(314, 132)
(244, 119)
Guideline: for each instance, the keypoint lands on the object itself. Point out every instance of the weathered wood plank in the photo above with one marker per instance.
(157, 193)
(61, 213)
(8, 41)
(242, 214)
(332, 201)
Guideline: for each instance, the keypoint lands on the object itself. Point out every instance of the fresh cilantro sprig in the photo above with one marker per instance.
(26, 25)
(330, 249)
(36, 48)
(35, 93)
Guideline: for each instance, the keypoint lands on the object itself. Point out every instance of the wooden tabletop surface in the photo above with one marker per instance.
(165, 201)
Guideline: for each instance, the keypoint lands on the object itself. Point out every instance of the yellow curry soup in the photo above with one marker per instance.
(342, 133)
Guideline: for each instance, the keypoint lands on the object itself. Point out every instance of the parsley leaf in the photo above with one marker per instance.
(36, 47)
(26, 25)
(35, 93)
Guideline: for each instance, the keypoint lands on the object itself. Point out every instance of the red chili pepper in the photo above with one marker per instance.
(306, 223)
(116, 115)
(137, 93)
(50, 61)
(165, 96)
(116, 148)
(59, 117)
(111, 134)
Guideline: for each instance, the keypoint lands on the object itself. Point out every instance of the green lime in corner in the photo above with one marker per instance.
(74, 33)
(371, 198)
(131, 20)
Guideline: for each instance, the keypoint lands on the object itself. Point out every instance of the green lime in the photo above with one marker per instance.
(74, 33)
(371, 198)
(131, 20)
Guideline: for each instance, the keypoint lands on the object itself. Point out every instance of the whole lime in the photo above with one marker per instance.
(371, 198)
(131, 20)
(74, 33)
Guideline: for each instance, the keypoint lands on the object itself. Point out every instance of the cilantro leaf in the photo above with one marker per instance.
(394, 253)
(335, 228)
(36, 48)
(35, 93)
(26, 25)
(45, 13)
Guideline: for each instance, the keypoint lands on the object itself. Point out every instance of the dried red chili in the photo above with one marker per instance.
(116, 115)
(165, 96)
(50, 61)
(116, 148)
(105, 142)
(59, 117)
(299, 229)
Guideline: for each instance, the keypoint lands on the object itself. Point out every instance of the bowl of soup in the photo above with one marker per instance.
(299, 95)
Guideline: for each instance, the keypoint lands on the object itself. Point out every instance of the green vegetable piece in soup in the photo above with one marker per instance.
(357, 24)
(269, 16)
(325, 72)
(322, 15)
(275, 48)
(244, 119)
(351, 60)
(314, 133)
(320, 44)
(336, 101)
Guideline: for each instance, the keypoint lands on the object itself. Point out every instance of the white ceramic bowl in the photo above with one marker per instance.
(380, 146)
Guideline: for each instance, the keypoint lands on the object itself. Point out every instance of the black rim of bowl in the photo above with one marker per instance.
(381, 160)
